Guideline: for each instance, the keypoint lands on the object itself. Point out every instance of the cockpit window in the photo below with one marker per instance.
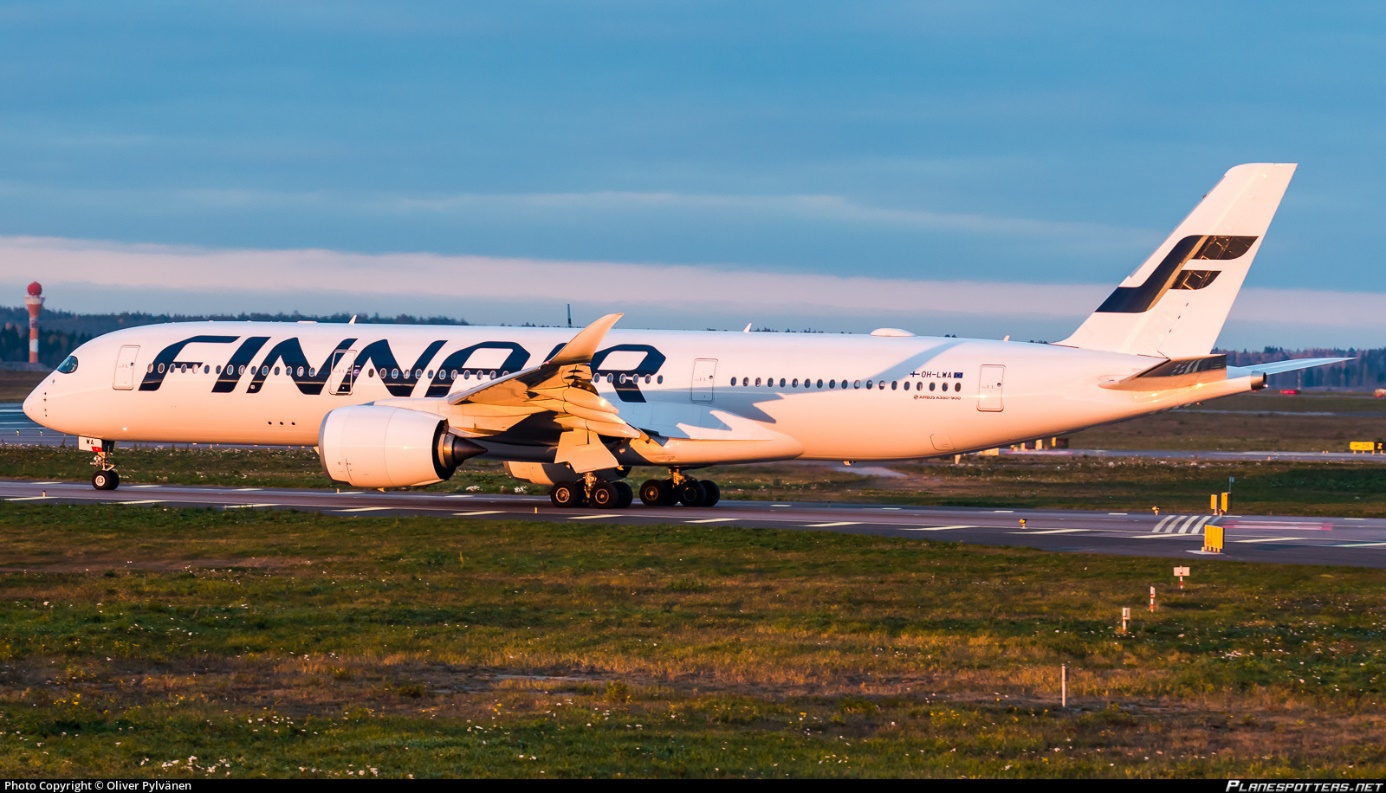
(69, 365)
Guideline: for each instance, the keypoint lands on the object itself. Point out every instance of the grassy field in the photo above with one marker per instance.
(156, 642)
(1261, 421)
(15, 386)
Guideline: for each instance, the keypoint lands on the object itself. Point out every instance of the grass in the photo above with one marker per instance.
(160, 642)
(15, 386)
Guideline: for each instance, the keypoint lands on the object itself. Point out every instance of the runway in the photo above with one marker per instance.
(1355, 542)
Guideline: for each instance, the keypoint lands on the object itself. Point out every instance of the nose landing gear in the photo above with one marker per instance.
(106, 477)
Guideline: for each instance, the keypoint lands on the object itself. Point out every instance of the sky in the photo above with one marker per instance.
(981, 168)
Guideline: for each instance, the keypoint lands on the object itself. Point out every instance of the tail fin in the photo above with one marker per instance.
(1174, 305)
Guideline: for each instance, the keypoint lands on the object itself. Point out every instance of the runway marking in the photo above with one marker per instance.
(59, 483)
(830, 525)
(1003, 511)
(1116, 513)
(462, 495)
(1287, 525)
(939, 528)
(595, 517)
(1270, 539)
(141, 501)
(247, 506)
(480, 512)
(1343, 518)
(710, 520)
(27, 498)
(889, 508)
(1163, 536)
(248, 489)
(141, 487)
(365, 509)
(1361, 545)
(781, 505)
(1182, 524)
(1050, 531)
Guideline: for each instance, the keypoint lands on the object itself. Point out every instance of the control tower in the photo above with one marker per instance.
(34, 302)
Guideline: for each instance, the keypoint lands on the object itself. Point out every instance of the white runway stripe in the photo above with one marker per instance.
(1270, 539)
(595, 517)
(247, 506)
(939, 528)
(364, 509)
(480, 512)
(710, 520)
(141, 501)
(830, 525)
(1050, 531)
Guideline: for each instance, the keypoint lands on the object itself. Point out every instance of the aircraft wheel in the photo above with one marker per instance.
(712, 492)
(565, 495)
(105, 480)
(655, 492)
(626, 494)
(692, 494)
(605, 496)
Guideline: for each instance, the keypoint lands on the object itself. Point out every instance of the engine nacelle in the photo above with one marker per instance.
(377, 446)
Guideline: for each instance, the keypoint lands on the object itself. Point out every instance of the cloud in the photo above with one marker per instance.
(162, 278)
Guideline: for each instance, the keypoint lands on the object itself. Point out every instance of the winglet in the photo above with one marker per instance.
(584, 345)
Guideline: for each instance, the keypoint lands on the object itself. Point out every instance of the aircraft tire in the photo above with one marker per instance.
(626, 494)
(105, 480)
(605, 496)
(712, 492)
(692, 494)
(566, 495)
(654, 492)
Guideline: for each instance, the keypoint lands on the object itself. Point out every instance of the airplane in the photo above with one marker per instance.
(405, 406)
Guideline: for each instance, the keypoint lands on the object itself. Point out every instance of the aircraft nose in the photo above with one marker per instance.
(33, 405)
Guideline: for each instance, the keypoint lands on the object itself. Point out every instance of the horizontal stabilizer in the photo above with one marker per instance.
(1176, 373)
(1293, 365)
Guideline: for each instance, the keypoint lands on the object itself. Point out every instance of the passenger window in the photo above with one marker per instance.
(856, 384)
(276, 370)
(795, 384)
(781, 382)
(957, 386)
(757, 381)
(931, 386)
(660, 380)
(892, 385)
(820, 383)
(832, 384)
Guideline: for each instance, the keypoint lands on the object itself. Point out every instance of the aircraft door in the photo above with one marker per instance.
(989, 389)
(125, 367)
(704, 375)
(344, 374)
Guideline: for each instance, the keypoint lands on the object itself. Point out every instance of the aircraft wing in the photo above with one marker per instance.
(560, 390)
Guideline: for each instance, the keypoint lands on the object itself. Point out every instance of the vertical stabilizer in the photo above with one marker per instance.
(1175, 304)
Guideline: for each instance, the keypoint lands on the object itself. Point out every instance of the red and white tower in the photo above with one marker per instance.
(34, 302)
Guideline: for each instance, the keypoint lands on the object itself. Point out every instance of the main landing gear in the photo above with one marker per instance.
(593, 491)
(105, 477)
(680, 489)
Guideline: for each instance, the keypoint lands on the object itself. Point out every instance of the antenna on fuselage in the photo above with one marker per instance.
(570, 315)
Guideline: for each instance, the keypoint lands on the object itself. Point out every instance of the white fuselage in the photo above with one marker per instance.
(206, 382)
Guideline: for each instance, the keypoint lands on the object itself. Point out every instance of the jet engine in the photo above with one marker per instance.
(377, 446)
